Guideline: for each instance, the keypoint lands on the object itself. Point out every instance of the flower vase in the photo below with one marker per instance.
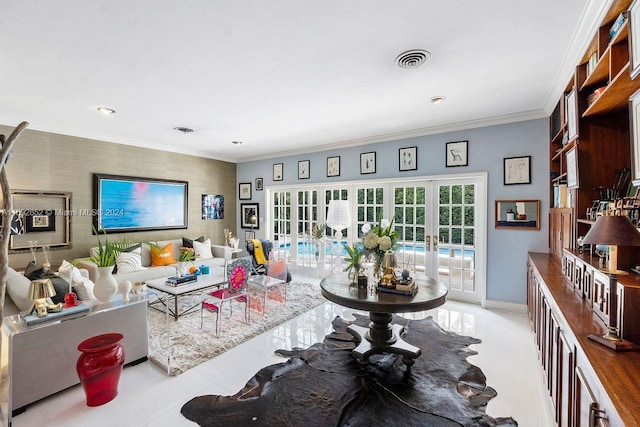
(183, 268)
(99, 367)
(353, 274)
(106, 286)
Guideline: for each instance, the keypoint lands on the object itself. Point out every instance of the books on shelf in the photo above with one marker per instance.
(591, 64)
(617, 25)
(595, 95)
(560, 194)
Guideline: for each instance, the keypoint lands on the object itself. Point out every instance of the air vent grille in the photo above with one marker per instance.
(412, 58)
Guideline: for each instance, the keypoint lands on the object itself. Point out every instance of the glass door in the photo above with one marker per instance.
(281, 223)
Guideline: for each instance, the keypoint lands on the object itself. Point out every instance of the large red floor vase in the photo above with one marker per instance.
(99, 367)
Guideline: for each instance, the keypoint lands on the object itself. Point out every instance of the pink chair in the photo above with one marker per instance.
(238, 273)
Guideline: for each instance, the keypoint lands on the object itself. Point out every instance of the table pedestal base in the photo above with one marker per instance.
(382, 337)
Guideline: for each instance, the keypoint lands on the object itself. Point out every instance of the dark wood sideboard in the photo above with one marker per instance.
(588, 384)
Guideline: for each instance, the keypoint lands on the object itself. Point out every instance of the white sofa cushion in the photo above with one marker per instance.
(18, 289)
(202, 250)
(129, 262)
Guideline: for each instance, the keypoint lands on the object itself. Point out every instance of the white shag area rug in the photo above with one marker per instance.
(191, 345)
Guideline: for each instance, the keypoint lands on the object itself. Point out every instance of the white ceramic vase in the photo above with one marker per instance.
(106, 286)
(124, 288)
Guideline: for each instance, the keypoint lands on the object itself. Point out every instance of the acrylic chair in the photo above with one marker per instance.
(277, 276)
(238, 273)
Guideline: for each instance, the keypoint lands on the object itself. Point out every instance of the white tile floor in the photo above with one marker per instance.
(148, 397)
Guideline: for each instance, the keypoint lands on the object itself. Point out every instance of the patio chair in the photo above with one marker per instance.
(238, 274)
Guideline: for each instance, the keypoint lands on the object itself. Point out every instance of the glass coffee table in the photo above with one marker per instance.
(205, 281)
(382, 336)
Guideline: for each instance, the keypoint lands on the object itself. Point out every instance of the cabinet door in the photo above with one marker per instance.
(587, 409)
(564, 395)
(566, 229)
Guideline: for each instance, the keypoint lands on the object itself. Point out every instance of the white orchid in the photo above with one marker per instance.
(384, 223)
(366, 228)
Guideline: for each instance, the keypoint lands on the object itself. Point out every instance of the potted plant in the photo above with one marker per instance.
(318, 234)
(354, 261)
(105, 259)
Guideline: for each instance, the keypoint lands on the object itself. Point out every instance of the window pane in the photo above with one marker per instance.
(370, 214)
(456, 215)
(360, 196)
(469, 236)
(470, 194)
(410, 195)
(443, 235)
(456, 194)
(379, 195)
(361, 214)
(399, 196)
(408, 234)
(369, 196)
(456, 235)
(420, 215)
(444, 195)
(420, 196)
(444, 216)
(420, 234)
(409, 217)
(398, 218)
(469, 215)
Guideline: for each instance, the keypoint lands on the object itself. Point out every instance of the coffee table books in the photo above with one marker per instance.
(182, 280)
(409, 288)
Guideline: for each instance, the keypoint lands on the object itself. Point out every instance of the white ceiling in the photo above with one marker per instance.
(282, 76)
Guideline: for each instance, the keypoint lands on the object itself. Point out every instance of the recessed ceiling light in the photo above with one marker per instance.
(236, 142)
(412, 58)
(437, 99)
(183, 129)
(107, 111)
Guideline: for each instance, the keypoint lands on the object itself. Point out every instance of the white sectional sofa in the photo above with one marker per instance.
(220, 255)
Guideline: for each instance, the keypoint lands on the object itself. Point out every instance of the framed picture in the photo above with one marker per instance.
(367, 163)
(122, 207)
(408, 159)
(572, 168)
(303, 169)
(244, 191)
(634, 120)
(250, 215)
(570, 108)
(456, 154)
(634, 38)
(518, 214)
(277, 172)
(259, 184)
(38, 221)
(212, 206)
(333, 166)
(517, 170)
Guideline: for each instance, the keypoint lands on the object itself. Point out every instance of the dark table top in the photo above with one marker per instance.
(337, 288)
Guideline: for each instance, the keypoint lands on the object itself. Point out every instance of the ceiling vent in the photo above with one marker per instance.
(412, 58)
(183, 129)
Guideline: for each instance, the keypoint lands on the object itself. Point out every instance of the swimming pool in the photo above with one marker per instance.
(309, 248)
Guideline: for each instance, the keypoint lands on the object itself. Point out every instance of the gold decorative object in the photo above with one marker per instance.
(389, 263)
(39, 291)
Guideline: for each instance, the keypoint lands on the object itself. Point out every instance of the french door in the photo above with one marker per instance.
(441, 223)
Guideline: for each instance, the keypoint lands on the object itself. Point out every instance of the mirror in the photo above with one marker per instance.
(518, 214)
(42, 216)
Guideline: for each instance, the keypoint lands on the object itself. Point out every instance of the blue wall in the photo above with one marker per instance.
(507, 249)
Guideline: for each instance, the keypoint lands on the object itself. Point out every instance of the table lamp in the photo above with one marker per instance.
(339, 217)
(39, 291)
(613, 230)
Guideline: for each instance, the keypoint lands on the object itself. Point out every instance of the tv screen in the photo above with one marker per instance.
(125, 203)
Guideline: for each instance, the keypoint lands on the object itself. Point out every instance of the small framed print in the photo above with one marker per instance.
(259, 184)
(367, 163)
(634, 38)
(37, 221)
(517, 170)
(333, 166)
(250, 216)
(572, 168)
(277, 172)
(456, 154)
(244, 190)
(408, 158)
(303, 169)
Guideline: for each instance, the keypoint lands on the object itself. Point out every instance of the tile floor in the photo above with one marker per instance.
(148, 397)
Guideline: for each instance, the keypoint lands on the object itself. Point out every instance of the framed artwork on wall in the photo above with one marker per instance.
(333, 166)
(259, 184)
(570, 108)
(250, 215)
(408, 159)
(244, 191)
(277, 172)
(212, 206)
(456, 154)
(367, 163)
(303, 169)
(517, 170)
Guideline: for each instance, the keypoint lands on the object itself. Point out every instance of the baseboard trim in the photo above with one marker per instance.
(511, 307)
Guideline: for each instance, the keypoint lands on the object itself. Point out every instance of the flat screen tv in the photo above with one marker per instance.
(126, 203)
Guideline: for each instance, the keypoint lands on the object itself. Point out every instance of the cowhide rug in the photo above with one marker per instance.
(325, 386)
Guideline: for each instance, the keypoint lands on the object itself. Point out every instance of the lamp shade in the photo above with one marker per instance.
(254, 220)
(613, 230)
(339, 216)
(41, 288)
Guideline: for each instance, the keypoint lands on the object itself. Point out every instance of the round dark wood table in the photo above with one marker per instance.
(382, 336)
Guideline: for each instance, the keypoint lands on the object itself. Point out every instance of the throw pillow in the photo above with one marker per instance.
(188, 243)
(162, 256)
(129, 249)
(64, 269)
(203, 250)
(84, 289)
(128, 262)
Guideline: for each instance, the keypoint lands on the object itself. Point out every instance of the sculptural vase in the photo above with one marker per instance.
(124, 288)
(106, 286)
(99, 367)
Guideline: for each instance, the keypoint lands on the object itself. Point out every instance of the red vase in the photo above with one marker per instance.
(99, 367)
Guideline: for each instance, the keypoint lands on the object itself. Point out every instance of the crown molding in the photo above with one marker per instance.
(593, 13)
(61, 130)
(434, 130)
